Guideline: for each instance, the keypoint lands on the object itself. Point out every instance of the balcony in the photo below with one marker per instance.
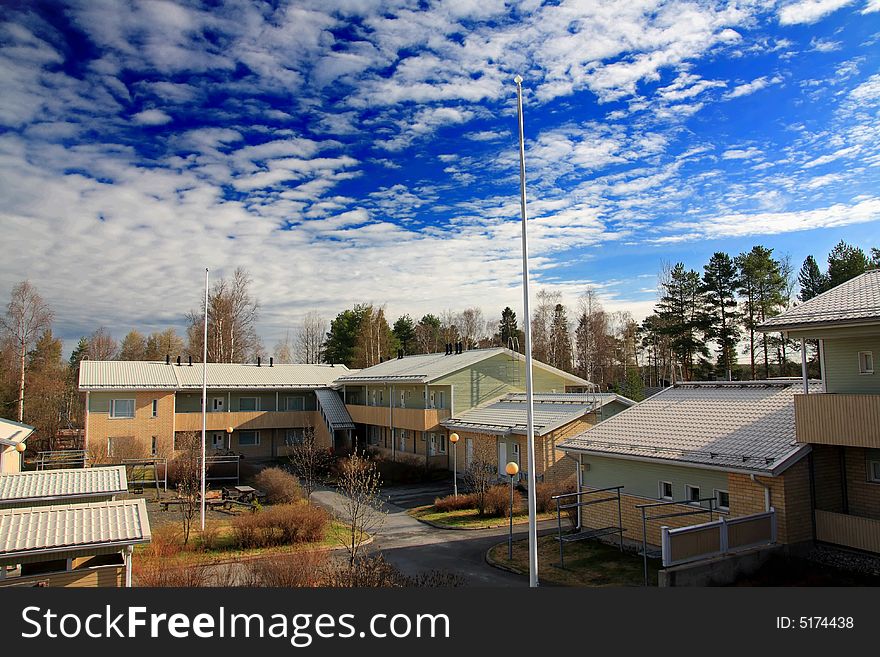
(414, 419)
(837, 419)
(850, 531)
(246, 420)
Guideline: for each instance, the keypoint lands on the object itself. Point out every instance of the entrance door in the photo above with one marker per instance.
(502, 458)
(218, 404)
(217, 440)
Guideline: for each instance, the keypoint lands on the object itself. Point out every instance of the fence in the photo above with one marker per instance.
(718, 537)
(64, 458)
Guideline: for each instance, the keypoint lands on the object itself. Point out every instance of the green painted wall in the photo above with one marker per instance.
(494, 377)
(842, 365)
(414, 395)
(643, 479)
(612, 409)
(191, 402)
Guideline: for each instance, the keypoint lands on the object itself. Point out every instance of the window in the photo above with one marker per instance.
(154, 446)
(295, 403)
(866, 362)
(402, 444)
(294, 437)
(122, 408)
(665, 490)
(248, 438)
(692, 494)
(515, 452)
(249, 404)
(442, 438)
(437, 400)
(373, 435)
(722, 500)
(403, 399)
(155, 408)
(874, 466)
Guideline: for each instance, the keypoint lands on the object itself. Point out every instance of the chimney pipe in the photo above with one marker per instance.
(190, 361)
(271, 361)
(168, 359)
(178, 361)
(258, 361)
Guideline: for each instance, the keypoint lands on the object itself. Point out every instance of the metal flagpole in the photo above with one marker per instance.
(204, 395)
(530, 411)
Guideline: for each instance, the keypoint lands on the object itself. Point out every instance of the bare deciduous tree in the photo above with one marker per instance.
(310, 337)
(471, 326)
(102, 346)
(482, 472)
(27, 316)
(188, 473)
(309, 461)
(283, 352)
(163, 343)
(360, 486)
(542, 318)
(232, 322)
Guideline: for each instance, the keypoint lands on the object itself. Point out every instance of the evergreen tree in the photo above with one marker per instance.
(428, 334)
(722, 325)
(845, 262)
(682, 312)
(339, 347)
(812, 281)
(560, 340)
(405, 332)
(762, 285)
(509, 334)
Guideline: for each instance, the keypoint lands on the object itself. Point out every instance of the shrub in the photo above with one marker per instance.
(280, 486)
(498, 501)
(543, 493)
(167, 541)
(209, 537)
(455, 503)
(372, 571)
(156, 572)
(299, 570)
(283, 524)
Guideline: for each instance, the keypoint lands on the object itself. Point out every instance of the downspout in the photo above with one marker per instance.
(391, 424)
(766, 491)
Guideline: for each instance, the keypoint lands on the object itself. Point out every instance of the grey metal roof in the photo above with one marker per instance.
(156, 375)
(745, 426)
(31, 530)
(14, 432)
(333, 409)
(855, 302)
(425, 368)
(551, 411)
(22, 488)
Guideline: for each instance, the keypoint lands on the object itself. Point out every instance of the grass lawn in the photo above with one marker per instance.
(587, 563)
(224, 549)
(470, 518)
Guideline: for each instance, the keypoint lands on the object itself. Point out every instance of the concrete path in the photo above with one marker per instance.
(415, 547)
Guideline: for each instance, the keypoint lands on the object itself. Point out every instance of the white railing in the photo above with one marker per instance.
(717, 538)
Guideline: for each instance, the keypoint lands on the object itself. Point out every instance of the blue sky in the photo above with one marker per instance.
(361, 150)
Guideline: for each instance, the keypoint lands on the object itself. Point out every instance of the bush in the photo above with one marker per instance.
(280, 486)
(303, 569)
(455, 503)
(284, 524)
(167, 541)
(543, 494)
(209, 537)
(498, 501)
(372, 571)
(155, 572)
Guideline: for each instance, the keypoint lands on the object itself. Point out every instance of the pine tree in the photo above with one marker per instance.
(509, 334)
(722, 325)
(405, 332)
(560, 340)
(339, 347)
(812, 281)
(682, 311)
(761, 285)
(845, 262)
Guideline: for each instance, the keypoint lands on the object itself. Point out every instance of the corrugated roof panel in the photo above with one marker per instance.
(156, 375)
(745, 426)
(334, 410)
(68, 526)
(855, 301)
(42, 484)
(14, 431)
(424, 368)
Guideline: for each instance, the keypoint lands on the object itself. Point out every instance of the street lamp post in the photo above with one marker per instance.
(229, 431)
(511, 469)
(453, 438)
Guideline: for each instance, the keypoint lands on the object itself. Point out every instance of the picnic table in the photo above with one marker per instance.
(242, 494)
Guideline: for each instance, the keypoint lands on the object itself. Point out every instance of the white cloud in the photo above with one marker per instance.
(748, 88)
(749, 153)
(809, 11)
(151, 117)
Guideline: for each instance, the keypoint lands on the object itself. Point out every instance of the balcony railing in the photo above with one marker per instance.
(246, 420)
(838, 419)
(850, 531)
(415, 419)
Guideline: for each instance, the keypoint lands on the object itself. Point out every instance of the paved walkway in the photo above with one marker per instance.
(415, 547)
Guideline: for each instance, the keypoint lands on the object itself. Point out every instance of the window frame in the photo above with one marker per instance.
(866, 370)
(289, 398)
(660, 494)
(112, 411)
(293, 430)
(256, 407)
(870, 464)
(718, 505)
(256, 442)
(154, 408)
(688, 488)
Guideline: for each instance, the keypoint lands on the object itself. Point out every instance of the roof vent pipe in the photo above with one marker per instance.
(190, 361)
(258, 361)
(178, 361)
(168, 359)
(271, 361)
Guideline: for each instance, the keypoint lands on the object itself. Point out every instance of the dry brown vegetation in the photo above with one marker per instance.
(280, 486)
(285, 524)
